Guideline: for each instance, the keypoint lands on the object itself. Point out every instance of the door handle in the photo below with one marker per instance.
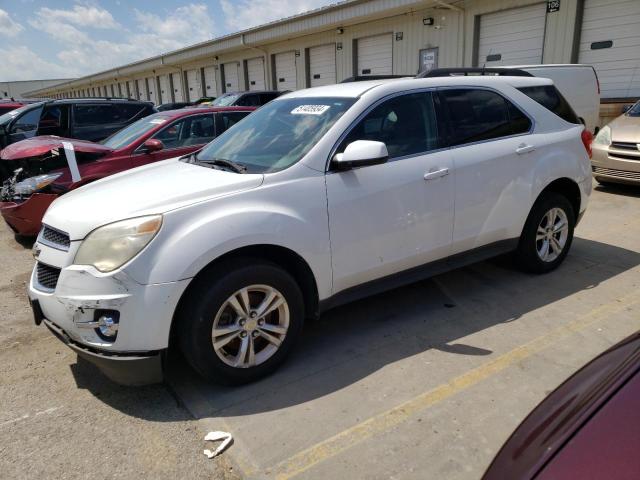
(524, 148)
(436, 174)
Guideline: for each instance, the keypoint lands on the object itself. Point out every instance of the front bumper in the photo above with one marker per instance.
(134, 370)
(616, 165)
(145, 315)
(26, 218)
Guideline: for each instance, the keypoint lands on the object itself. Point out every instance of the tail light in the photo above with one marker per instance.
(587, 138)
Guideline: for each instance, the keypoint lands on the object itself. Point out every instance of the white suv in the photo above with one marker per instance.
(321, 197)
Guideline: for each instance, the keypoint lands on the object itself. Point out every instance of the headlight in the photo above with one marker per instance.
(33, 184)
(603, 137)
(113, 245)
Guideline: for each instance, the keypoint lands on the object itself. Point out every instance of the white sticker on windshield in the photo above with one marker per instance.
(157, 121)
(310, 110)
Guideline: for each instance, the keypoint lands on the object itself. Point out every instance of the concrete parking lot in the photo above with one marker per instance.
(422, 382)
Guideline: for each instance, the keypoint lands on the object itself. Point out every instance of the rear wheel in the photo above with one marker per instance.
(547, 234)
(238, 325)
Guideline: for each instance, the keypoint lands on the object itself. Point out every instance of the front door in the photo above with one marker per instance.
(387, 218)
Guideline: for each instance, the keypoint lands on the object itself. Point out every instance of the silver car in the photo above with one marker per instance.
(616, 150)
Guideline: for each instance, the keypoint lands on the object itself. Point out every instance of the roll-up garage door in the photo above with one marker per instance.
(375, 55)
(152, 87)
(210, 82)
(285, 71)
(132, 89)
(322, 65)
(177, 87)
(512, 37)
(165, 89)
(143, 94)
(255, 74)
(122, 89)
(610, 41)
(231, 77)
(193, 85)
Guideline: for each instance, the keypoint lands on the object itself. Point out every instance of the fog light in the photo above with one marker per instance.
(108, 325)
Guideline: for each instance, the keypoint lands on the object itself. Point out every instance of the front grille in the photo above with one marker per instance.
(47, 276)
(622, 156)
(55, 238)
(616, 173)
(625, 145)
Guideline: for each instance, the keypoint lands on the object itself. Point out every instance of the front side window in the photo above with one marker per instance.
(130, 134)
(477, 115)
(187, 131)
(27, 122)
(277, 135)
(54, 120)
(406, 124)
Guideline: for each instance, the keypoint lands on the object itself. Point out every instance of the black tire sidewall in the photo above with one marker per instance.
(527, 255)
(206, 298)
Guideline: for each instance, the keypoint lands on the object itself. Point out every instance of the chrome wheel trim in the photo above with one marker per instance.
(552, 234)
(250, 326)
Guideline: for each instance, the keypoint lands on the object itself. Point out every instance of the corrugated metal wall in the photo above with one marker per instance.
(454, 32)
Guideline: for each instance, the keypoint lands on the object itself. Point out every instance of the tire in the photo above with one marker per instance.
(216, 300)
(530, 255)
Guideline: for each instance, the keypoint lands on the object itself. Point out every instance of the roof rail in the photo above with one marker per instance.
(364, 78)
(472, 71)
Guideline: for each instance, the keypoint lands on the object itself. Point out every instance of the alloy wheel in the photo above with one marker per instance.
(250, 326)
(552, 234)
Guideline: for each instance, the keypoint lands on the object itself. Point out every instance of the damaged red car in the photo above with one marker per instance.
(34, 172)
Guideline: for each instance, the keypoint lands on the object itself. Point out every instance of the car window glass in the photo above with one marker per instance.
(251, 100)
(549, 97)
(93, 114)
(520, 123)
(54, 120)
(123, 112)
(476, 115)
(133, 132)
(229, 119)
(27, 122)
(267, 97)
(406, 124)
(188, 131)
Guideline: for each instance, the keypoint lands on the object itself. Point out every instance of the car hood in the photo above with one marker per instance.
(151, 189)
(625, 129)
(38, 146)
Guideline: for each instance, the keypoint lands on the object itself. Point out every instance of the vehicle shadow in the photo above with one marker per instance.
(351, 342)
(620, 189)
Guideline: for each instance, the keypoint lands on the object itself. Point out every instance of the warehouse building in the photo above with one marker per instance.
(17, 89)
(380, 37)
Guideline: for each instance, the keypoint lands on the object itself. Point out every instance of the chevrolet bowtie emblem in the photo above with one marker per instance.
(36, 250)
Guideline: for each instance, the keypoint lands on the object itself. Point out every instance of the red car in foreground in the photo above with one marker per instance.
(588, 428)
(35, 171)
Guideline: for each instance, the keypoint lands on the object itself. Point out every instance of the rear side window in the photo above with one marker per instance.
(228, 119)
(479, 115)
(250, 100)
(549, 97)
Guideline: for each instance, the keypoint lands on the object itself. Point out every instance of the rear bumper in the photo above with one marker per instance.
(26, 218)
(139, 369)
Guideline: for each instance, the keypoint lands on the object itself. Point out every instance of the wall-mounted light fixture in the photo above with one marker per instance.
(428, 21)
(339, 30)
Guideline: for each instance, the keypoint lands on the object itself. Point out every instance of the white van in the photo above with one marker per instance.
(577, 83)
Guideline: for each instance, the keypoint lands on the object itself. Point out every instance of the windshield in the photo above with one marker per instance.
(277, 135)
(133, 132)
(634, 111)
(7, 117)
(226, 99)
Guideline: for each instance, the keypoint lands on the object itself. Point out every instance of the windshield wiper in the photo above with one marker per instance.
(223, 162)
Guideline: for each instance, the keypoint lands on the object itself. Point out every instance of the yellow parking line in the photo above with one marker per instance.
(346, 439)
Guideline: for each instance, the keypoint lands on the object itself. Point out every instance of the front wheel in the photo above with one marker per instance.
(239, 323)
(547, 234)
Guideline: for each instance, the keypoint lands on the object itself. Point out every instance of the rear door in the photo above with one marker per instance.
(494, 155)
(97, 121)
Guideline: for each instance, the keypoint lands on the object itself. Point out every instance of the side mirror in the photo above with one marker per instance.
(361, 153)
(626, 108)
(152, 145)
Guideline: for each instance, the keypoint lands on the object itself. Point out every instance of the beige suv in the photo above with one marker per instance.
(616, 150)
